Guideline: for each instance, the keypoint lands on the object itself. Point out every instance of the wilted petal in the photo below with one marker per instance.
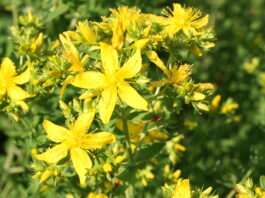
(56, 133)
(97, 140)
(81, 162)
(83, 123)
(107, 103)
(132, 66)
(89, 80)
(8, 68)
(131, 97)
(109, 58)
(23, 78)
(54, 154)
(159, 83)
(16, 93)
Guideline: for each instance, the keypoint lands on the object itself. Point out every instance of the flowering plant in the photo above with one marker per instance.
(103, 106)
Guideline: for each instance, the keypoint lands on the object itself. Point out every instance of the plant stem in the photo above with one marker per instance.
(127, 135)
(233, 191)
(144, 131)
(14, 12)
(28, 126)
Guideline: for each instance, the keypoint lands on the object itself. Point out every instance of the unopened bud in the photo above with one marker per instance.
(45, 176)
(197, 96)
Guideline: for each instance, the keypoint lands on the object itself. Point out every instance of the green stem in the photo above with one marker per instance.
(233, 191)
(144, 131)
(27, 125)
(14, 12)
(127, 135)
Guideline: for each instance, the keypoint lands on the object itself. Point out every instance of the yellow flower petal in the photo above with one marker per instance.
(23, 78)
(107, 167)
(159, 83)
(22, 104)
(87, 95)
(56, 133)
(141, 44)
(37, 43)
(84, 59)
(182, 189)
(71, 51)
(157, 135)
(131, 67)
(93, 195)
(81, 162)
(76, 67)
(87, 32)
(8, 68)
(45, 176)
(66, 82)
(16, 93)
(97, 140)
(109, 58)
(89, 80)
(2, 92)
(153, 57)
(134, 129)
(201, 22)
(83, 122)
(54, 154)
(107, 103)
(117, 37)
(131, 97)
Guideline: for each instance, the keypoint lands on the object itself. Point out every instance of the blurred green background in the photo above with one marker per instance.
(220, 151)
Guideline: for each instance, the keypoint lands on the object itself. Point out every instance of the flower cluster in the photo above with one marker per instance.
(124, 76)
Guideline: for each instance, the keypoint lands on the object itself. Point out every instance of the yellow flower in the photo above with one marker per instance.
(119, 159)
(197, 96)
(124, 17)
(186, 19)
(37, 43)
(215, 102)
(76, 140)
(9, 82)
(112, 82)
(203, 106)
(100, 195)
(135, 131)
(229, 106)
(182, 189)
(72, 53)
(107, 167)
(177, 74)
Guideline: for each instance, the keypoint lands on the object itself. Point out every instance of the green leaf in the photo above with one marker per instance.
(262, 182)
(148, 151)
(62, 8)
